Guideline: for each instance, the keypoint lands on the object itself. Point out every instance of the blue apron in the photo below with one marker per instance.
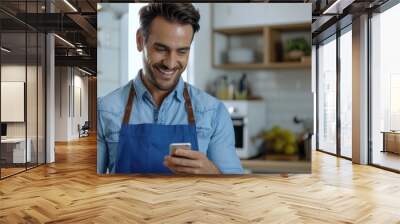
(142, 147)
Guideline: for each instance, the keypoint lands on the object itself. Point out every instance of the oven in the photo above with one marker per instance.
(239, 128)
(248, 119)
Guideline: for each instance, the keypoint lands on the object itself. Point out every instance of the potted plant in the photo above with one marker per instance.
(296, 49)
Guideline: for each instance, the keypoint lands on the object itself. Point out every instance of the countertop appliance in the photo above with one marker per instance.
(249, 118)
(3, 131)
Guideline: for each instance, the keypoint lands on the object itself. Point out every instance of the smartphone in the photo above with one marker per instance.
(174, 146)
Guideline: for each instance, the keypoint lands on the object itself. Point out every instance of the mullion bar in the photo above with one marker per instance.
(338, 93)
(47, 5)
(26, 87)
(317, 96)
(369, 91)
(37, 90)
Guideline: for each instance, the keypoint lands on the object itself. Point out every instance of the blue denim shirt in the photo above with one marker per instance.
(214, 127)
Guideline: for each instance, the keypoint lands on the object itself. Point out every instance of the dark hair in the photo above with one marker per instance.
(183, 13)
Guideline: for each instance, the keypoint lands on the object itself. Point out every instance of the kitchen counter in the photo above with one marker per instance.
(275, 166)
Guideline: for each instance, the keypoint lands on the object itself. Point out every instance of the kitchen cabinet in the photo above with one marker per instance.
(233, 15)
(265, 45)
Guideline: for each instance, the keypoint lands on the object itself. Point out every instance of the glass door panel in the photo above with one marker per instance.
(327, 96)
(13, 105)
(346, 93)
(385, 89)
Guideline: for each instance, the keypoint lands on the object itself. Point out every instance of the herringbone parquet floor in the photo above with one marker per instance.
(70, 191)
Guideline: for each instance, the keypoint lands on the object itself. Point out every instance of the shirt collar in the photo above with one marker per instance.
(141, 89)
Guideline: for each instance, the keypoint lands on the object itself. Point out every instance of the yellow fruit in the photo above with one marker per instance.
(290, 149)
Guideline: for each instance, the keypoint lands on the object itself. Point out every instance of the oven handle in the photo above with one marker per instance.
(238, 121)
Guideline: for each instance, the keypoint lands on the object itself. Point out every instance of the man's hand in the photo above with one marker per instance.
(190, 162)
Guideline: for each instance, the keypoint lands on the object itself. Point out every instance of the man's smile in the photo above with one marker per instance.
(165, 72)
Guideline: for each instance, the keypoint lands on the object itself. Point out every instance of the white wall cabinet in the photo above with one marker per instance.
(256, 14)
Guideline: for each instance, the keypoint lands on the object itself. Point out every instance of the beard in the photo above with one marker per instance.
(159, 80)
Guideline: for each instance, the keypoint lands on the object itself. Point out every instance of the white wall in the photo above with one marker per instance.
(61, 103)
(202, 69)
(253, 14)
(67, 116)
(79, 117)
(108, 50)
(134, 57)
(113, 57)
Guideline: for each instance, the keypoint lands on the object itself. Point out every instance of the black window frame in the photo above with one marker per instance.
(333, 33)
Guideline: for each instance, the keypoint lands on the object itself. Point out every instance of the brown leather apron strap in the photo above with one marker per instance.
(129, 104)
(188, 105)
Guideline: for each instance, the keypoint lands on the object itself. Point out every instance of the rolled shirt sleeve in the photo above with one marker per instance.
(222, 144)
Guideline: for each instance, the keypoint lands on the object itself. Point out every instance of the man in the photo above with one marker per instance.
(138, 122)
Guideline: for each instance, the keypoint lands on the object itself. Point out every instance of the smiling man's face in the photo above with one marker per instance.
(165, 52)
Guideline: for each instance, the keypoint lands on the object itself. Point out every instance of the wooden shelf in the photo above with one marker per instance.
(271, 37)
(240, 31)
(240, 66)
(291, 27)
(272, 65)
(289, 65)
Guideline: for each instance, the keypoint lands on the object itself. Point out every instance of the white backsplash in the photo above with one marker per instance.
(287, 94)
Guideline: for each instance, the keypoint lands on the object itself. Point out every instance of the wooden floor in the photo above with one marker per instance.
(387, 159)
(69, 191)
(10, 171)
(5, 172)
